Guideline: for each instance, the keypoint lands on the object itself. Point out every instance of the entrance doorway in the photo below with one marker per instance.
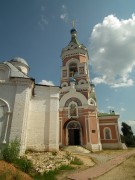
(73, 133)
(74, 136)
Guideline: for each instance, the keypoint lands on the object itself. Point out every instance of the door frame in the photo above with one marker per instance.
(77, 125)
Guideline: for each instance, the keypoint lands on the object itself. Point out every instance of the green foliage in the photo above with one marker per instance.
(51, 175)
(24, 164)
(128, 136)
(11, 151)
(126, 129)
(10, 154)
(65, 167)
(129, 140)
(54, 153)
(76, 161)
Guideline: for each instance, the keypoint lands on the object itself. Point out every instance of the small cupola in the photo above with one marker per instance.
(20, 64)
(73, 32)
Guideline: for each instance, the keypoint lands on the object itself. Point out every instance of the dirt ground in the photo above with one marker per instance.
(125, 171)
(9, 172)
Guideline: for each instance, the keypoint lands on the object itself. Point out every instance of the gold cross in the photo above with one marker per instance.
(73, 23)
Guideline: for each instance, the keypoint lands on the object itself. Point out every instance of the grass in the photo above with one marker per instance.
(77, 161)
(51, 175)
(66, 167)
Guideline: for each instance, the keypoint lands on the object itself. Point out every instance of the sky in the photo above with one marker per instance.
(37, 30)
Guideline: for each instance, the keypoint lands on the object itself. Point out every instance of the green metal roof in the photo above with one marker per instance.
(106, 114)
(74, 40)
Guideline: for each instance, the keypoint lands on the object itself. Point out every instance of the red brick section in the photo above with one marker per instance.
(101, 169)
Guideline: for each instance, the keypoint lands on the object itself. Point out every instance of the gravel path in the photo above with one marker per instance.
(106, 161)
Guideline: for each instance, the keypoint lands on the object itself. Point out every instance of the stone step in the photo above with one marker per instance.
(76, 149)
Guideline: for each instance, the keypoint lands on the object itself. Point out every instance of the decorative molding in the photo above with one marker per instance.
(79, 103)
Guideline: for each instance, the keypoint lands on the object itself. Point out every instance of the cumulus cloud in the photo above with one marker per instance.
(112, 51)
(45, 82)
(64, 14)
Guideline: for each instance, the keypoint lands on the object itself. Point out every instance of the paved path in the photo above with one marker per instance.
(101, 169)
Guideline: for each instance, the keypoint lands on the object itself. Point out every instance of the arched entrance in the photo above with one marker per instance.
(74, 133)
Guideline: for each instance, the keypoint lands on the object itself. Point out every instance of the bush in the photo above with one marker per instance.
(24, 164)
(11, 151)
(129, 140)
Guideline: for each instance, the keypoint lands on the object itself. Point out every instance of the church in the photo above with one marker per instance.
(46, 118)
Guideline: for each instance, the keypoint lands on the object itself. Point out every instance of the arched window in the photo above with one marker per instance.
(4, 108)
(107, 133)
(73, 70)
(73, 110)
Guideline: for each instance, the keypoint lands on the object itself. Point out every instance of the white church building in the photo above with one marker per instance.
(28, 111)
(45, 117)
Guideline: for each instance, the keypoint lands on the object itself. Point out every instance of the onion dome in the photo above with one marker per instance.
(73, 31)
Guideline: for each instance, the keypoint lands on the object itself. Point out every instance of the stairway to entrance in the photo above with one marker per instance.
(76, 149)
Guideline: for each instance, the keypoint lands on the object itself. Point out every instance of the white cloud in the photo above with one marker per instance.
(43, 18)
(110, 107)
(43, 21)
(112, 51)
(45, 82)
(122, 109)
(64, 14)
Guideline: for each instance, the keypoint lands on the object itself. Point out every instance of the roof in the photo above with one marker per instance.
(74, 38)
(14, 71)
(20, 60)
(107, 114)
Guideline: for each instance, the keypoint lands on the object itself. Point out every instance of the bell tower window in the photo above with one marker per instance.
(73, 69)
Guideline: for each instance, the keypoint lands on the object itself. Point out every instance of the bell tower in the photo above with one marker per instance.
(75, 63)
(78, 109)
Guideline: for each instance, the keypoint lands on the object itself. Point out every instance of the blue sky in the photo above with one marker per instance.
(37, 30)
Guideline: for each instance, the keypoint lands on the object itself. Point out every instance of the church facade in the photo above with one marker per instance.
(47, 117)
(80, 121)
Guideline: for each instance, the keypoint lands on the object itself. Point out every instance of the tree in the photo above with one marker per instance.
(126, 129)
(129, 138)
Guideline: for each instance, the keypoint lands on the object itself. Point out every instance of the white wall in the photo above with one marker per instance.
(43, 120)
